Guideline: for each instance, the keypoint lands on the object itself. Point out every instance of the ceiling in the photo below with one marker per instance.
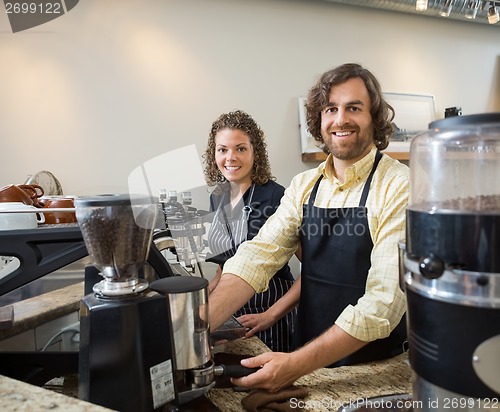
(458, 9)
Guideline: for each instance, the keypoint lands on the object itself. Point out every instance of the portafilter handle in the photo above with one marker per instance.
(233, 371)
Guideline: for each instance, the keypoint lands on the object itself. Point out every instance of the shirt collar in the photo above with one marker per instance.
(357, 171)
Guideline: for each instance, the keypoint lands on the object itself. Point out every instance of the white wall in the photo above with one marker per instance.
(92, 95)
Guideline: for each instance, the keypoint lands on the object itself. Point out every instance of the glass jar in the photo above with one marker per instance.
(454, 206)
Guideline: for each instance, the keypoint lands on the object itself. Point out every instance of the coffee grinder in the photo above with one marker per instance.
(451, 265)
(126, 359)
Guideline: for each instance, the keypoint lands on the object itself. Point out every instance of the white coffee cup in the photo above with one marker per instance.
(18, 220)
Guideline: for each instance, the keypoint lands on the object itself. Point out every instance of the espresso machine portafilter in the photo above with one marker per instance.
(450, 265)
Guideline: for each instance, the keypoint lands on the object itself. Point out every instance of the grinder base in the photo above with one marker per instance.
(126, 359)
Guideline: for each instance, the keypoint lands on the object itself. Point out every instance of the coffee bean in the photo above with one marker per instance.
(117, 245)
(482, 203)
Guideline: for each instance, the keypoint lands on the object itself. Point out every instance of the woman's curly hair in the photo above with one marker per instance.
(318, 98)
(238, 120)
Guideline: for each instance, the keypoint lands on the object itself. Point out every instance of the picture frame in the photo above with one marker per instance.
(307, 142)
(413, 113)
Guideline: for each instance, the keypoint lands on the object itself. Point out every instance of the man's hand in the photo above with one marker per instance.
(277, 371)
(280, 370)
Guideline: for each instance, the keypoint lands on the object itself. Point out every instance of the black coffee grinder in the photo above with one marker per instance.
(451, 266)
(126, 359)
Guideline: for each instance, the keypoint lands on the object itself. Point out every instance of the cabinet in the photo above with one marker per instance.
(35, 339)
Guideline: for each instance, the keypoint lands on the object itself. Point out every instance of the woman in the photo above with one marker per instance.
(245, 195)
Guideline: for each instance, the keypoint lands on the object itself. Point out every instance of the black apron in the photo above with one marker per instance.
(336, 249)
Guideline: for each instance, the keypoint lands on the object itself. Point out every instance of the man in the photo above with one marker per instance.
(347, 215)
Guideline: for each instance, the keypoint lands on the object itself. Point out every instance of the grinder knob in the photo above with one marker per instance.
(431, 267)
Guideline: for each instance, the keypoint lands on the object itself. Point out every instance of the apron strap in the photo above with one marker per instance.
(312, 197)
(226, 220)
(366, 189)
(246, 210)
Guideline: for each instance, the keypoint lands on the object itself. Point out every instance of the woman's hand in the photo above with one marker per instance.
(256, 322)
(262, 321)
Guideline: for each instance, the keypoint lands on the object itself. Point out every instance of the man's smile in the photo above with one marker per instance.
(343, 133)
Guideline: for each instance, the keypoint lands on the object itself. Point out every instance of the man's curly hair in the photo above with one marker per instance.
(238, 120)
(318, 98)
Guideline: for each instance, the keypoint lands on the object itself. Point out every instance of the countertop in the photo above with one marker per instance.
(329, 389)
(35, 311)
(20, 396)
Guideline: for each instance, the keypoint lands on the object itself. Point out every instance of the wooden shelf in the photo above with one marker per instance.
(313, 157)
(399, 155)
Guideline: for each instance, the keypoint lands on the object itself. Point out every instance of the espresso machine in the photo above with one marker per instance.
(184, 228)
(451, 264)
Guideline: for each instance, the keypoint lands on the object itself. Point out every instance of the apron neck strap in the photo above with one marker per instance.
(366, 189)
(247, 208)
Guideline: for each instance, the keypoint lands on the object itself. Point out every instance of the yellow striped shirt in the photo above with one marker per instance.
(380, 309)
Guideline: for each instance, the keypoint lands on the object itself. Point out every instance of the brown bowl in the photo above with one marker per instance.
(55, 217)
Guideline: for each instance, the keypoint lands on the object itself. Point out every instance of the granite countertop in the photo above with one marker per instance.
(20, 396)
(35, 311)
(329, 389)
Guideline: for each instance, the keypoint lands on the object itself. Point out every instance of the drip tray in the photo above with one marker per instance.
(401, 402)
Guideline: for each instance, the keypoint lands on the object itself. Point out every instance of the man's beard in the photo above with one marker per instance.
(350, 151)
